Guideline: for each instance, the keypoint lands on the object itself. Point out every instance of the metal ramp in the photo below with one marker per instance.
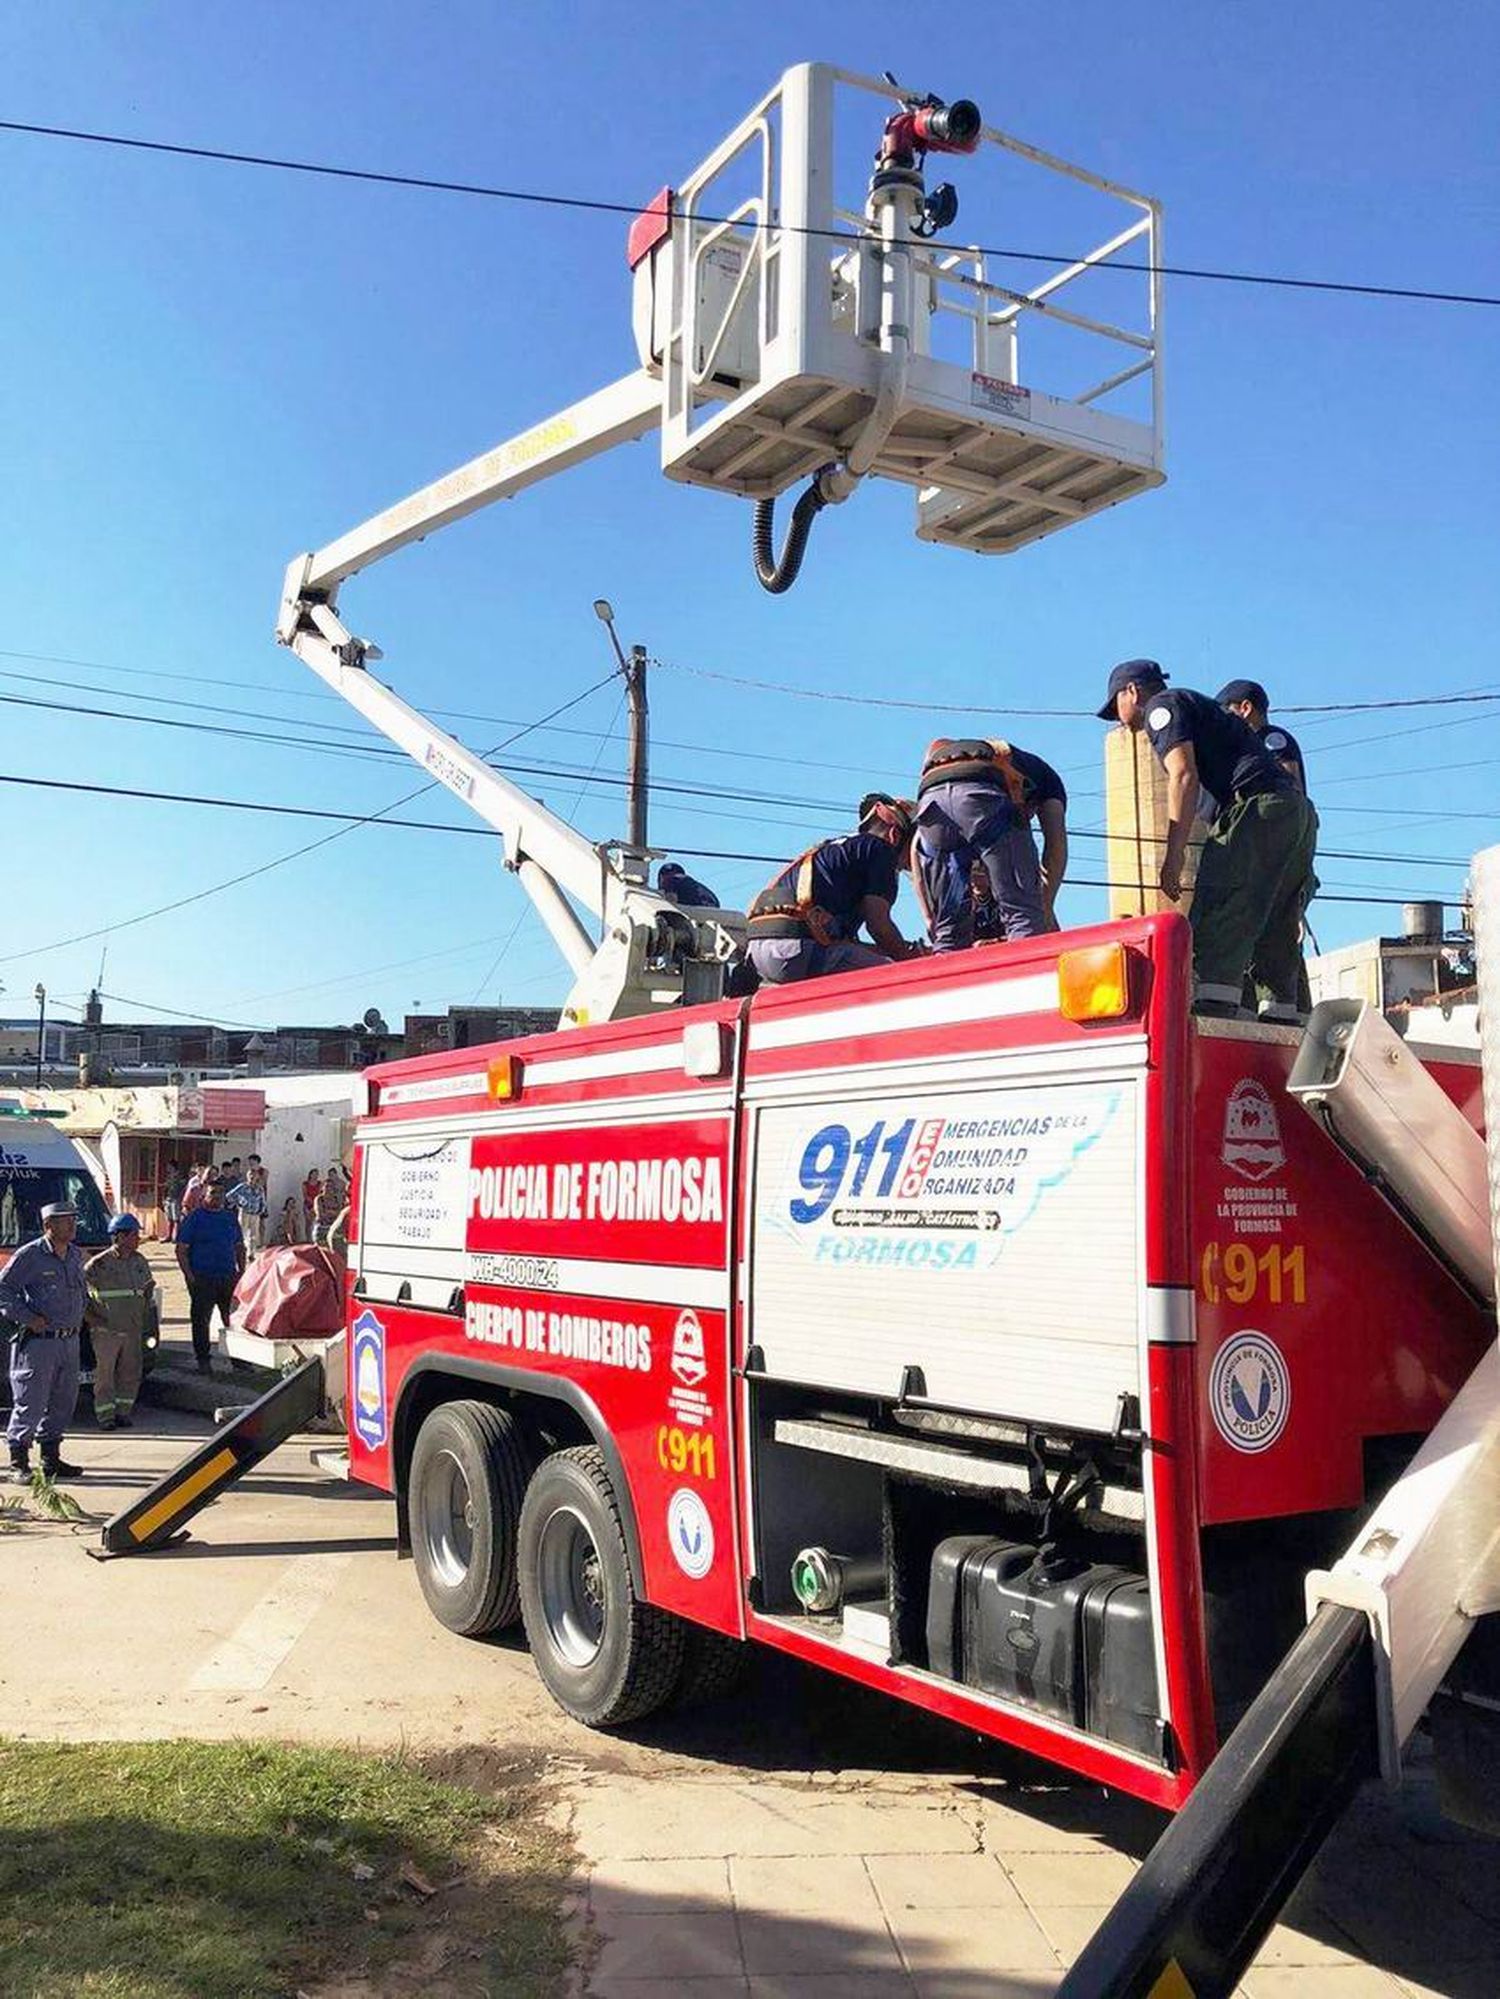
(161, 1512)
(795, 326)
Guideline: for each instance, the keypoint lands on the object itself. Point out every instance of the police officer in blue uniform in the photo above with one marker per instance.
(44, 1293)
(1249, 700)
(976, 799)
(805, 923)
(1255, 872)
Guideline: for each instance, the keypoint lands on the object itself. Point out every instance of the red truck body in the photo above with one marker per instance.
(868, 1263)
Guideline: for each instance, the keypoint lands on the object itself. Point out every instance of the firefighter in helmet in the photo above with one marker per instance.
(805, 923)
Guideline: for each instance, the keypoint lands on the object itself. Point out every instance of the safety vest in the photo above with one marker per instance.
(950, 759)
(785, 906)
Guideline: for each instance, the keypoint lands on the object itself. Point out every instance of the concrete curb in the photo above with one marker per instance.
(169, 1387)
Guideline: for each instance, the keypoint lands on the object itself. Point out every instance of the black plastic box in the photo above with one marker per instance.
(1070, 1638)
(1119, 1665)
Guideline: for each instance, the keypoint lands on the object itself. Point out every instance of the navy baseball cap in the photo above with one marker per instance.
(1244, 690)
(1142, 673)
(124, 1225)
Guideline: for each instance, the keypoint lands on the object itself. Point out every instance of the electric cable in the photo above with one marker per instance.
(538, 197)
(274, 690)
(281, 860)
(1374, 858)
(1054, 714)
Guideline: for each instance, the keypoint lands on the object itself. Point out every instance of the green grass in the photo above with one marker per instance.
(188, 1870)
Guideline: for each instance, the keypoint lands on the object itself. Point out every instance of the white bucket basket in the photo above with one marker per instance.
(767, 306)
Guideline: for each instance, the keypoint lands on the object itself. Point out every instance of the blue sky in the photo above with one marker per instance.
(207, 368)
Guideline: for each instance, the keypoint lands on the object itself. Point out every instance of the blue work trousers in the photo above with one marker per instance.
(972, 820)
(787, 961)
(44, 1385)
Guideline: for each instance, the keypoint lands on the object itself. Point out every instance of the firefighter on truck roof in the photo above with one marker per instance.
(805, 923)
(1255, 874)
(1249, 700)
(976, 799)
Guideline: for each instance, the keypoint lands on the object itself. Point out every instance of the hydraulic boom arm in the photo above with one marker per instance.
(650, 953)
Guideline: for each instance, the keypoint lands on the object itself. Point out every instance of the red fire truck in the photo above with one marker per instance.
(984, 1329)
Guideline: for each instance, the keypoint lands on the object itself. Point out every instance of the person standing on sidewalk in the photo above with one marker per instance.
(122, 1300)
(211, 1256)
(248, 1199)
(43, 1290)
(192, 1193)
(171, 1198)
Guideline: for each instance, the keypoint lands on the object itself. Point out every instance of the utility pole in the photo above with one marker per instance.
(41, 1028)
(633, 671)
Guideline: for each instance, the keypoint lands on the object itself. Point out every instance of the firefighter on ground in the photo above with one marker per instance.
(1255, 872)
(1249, 700)
(976, 799)
(122, 1295)
(805, 923)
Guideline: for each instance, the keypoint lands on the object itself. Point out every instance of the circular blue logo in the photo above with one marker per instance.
(690, 1533)
(1250, 1392)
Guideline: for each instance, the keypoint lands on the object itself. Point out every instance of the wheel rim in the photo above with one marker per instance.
(447, 1520)
(570, 1586)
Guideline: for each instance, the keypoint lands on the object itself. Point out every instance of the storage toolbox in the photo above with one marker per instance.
(1070, 1638)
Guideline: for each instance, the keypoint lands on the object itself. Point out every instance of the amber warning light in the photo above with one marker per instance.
(503, 1078)
(1094, 983)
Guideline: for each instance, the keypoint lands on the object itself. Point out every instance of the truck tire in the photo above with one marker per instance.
(605, 1657)
(713, 1666)
(468, 1476)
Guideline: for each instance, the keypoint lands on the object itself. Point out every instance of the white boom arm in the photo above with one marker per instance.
(650, 953)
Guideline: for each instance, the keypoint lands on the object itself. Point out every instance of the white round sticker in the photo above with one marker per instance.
(691, 1533)
(1250, 1392)
(1158, 718)
(1275, 740)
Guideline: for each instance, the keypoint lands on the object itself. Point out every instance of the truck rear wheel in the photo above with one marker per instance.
(604, 1656)
(468, 1476)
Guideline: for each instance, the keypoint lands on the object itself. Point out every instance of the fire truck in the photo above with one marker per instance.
(983, 1328)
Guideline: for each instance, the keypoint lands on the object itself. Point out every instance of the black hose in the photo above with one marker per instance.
(777, 576)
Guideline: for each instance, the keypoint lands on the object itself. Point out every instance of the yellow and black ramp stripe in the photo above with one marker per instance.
(1190, 1922)
(166, 1508)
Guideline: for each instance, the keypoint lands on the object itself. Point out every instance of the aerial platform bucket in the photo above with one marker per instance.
(761, 300)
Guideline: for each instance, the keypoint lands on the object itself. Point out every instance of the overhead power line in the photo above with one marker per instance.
(485, 832)
(280, 860)
(350, 820)
(176, 1013)
(275, 691)
(540, 198)
(1056, 714)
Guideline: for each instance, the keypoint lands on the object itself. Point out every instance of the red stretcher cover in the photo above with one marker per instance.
(292, 1292)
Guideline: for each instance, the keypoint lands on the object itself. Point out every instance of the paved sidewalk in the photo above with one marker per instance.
(945, 1889)
(806, 1838)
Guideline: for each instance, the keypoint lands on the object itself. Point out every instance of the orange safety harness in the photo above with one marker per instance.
(949, 758)
(776, 912)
